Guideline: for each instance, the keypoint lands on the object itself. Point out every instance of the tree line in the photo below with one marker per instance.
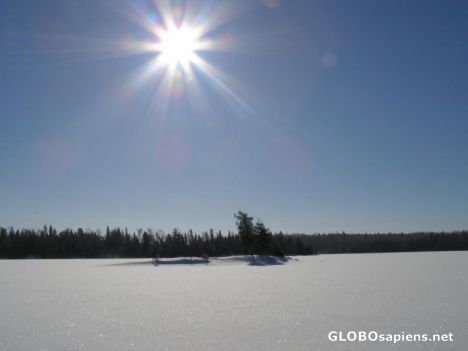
(250, 238)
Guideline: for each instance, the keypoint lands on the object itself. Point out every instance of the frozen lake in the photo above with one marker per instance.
(230, 305)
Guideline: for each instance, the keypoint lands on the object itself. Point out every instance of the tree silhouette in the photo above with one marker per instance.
(245, 230)
(250, 238)
(262, 239)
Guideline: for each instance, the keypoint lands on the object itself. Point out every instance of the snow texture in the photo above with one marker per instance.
(232, 304)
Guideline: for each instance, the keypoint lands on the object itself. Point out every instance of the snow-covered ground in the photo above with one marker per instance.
(229, 304)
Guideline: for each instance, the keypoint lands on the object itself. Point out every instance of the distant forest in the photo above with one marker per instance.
(250, 238)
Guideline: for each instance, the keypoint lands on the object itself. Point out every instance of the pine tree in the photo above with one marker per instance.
(245, 230)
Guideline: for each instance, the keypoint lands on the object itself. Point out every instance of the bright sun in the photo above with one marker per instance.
(180, 42)
(178, 45)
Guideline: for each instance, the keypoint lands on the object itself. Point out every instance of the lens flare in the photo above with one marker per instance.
(182, 36)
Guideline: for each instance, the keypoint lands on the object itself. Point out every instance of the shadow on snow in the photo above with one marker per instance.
(256, 260)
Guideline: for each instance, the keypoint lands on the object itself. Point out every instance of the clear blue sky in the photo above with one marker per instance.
(341, 115)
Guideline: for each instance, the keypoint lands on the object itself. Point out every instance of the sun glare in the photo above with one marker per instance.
(180, 42)
(178, 45)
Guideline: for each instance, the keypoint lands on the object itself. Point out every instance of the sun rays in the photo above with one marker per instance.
(178, 64)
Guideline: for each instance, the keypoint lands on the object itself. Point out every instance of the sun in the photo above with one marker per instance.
(178, 45)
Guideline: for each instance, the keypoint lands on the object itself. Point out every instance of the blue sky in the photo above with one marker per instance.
(344, 115)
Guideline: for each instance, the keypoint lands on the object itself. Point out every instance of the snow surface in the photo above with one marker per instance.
(230, 304)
